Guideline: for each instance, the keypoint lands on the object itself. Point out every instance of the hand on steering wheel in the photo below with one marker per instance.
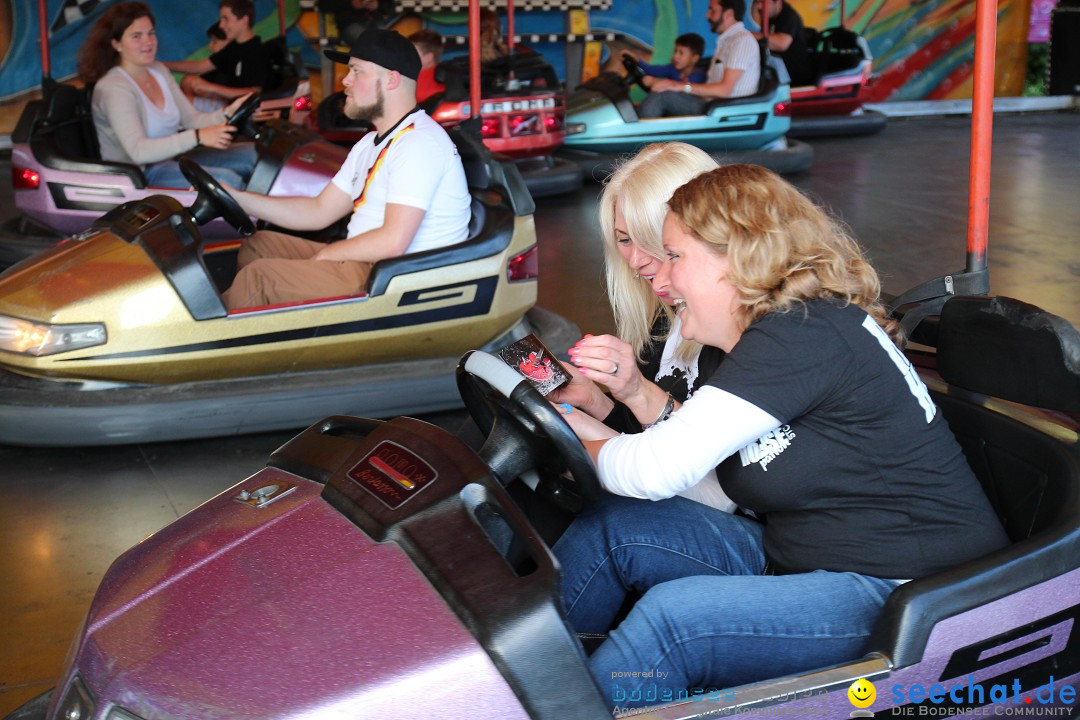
(241, 117)
(524, 432)
(213, 200)
(634, 71)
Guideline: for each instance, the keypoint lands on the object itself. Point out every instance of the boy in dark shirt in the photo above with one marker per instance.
(683, 66)
(243, 65)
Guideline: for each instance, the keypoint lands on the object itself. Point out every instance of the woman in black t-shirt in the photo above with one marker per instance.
(819, 425)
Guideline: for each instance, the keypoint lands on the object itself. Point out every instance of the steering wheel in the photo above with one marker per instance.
(213, 200)
(634, 72)
(524, 432)
(241, 119)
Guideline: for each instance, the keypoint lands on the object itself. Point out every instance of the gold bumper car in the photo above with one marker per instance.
(119, 334)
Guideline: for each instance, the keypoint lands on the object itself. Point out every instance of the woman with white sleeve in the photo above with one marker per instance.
(141, 115)
(819, 425)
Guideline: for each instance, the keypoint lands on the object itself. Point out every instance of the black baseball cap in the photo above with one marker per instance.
(385, 48)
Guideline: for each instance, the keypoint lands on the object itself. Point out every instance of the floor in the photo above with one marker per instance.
(65, 514)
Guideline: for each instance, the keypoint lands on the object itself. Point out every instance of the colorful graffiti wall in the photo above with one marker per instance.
(923, 49)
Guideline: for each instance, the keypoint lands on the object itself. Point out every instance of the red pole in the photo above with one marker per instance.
(982, 128)
(510, 25)
(843, 14)
(43, 39)
(474, 58)
(281, 17)
(765, 18)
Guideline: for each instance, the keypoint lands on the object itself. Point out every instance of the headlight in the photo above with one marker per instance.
(575, 128)
(77, 704)
(31, 338)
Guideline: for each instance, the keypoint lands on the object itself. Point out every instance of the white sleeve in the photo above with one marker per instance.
(678, 453)
(708, 492)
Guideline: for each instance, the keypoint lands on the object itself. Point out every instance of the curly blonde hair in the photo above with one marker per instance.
(782, 249)
(640, 187)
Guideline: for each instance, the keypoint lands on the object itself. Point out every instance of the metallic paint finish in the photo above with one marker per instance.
(117, 283)
(285, 611)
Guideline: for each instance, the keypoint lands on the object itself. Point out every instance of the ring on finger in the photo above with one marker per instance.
(615, 371)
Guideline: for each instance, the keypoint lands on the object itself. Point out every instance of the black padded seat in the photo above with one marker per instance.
(1021, 354)
(833, 50)
(64, 137)
(287, 70)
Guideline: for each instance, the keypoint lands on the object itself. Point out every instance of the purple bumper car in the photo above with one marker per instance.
(387, 569)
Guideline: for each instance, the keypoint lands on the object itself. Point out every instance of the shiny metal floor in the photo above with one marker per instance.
(65, 514)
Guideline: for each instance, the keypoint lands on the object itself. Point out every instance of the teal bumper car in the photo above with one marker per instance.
(602, 125)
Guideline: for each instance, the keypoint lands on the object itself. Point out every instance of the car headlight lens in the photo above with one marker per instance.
(574, 128)
(31, 338)
(77, 704)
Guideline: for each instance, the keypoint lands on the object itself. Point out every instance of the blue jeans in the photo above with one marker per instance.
(707, 617)
(670, 104)
(233, 165)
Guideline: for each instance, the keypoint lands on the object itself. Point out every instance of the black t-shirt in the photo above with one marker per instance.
(245, 64)
(797, 57)
(863, 474)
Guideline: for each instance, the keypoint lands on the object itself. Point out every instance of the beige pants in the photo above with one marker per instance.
(277, 268)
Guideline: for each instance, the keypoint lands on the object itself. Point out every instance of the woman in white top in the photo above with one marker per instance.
(141, 115)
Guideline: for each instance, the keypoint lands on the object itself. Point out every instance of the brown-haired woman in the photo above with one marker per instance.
(819, 426)
(141, 115)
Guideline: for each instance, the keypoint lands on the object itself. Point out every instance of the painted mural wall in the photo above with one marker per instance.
(923, 49)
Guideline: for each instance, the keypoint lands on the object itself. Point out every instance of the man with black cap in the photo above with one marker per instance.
(403, 183)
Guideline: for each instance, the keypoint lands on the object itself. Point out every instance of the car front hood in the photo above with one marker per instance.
(286, 610)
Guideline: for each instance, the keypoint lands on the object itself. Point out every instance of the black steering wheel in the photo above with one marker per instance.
(213, 200)
(241, 119)
(524, 432)
(634, 71)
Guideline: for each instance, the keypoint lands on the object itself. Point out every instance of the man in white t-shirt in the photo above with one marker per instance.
(735, 69)
(404, 185)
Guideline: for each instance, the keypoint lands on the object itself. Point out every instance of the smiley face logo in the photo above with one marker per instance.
(862, 693)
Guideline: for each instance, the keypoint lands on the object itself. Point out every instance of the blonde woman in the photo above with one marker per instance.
(819, 426)
(648, 367)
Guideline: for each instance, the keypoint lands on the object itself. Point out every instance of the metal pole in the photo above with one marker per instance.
(474, 58)
(982, 128)
(43, 39)
(510, 25)
(281, 17)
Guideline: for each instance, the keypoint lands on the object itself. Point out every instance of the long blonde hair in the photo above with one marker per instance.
(782, 250)
(640, 187)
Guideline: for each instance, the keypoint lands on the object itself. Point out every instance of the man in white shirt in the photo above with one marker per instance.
(734, 72)
(403, 184)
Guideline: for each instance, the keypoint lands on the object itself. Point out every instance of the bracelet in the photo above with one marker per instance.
(198, 141)
(664, 414)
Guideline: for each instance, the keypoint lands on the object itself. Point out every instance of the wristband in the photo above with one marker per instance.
(198, 141)
(664, 414)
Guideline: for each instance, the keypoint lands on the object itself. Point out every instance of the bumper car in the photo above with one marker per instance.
(389, 569)
(833, 105)
(61, 184)
(118, 334)
(602, 124)
(523, 110)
